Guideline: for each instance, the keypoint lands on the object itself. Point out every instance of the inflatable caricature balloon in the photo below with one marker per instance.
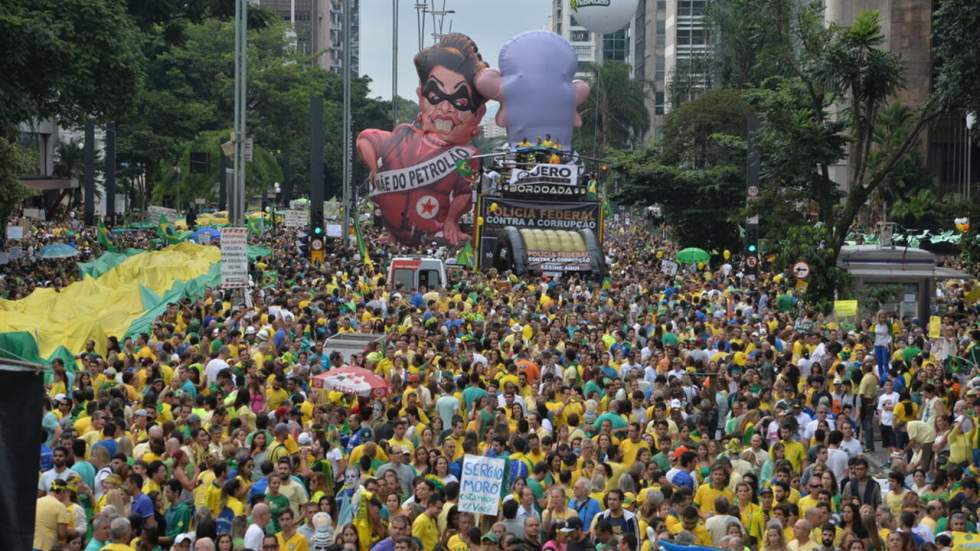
(416, 176)
(535, 89)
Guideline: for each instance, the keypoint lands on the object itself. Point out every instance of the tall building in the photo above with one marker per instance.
(687, 47)
(317, 26)
(649, 45)
(907, 28)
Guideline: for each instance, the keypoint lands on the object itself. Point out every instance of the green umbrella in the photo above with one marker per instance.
(693, 255)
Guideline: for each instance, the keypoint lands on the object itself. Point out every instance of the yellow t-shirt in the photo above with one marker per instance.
(705, 497)
(295, 543)
(426, 530)
(49, 514)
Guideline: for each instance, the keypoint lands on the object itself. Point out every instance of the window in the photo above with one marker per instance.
(580, 36)
(614, 46)
(37, 144)
(572, 21)
(661, 33)
(659, 74)
(405, 278)
(661, 5)
(659, 104)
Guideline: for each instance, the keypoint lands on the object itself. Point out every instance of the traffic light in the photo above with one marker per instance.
(752, 235)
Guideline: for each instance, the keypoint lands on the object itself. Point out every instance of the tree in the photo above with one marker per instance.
(698, 178)
(71, 60)
(189, 92)
(690, 132)
(755, 38)
(14, 161)
(615, 115)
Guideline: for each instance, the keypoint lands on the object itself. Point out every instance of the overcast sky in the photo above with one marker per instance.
(490, 23)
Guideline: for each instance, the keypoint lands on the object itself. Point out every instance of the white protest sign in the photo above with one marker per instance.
(15, 232)
(234, 261)
(296, 218)
(668, 267)
(479, 491)
(334, 230)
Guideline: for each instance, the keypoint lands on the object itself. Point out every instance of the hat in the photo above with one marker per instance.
(183, 538)
(110, 372)
(680, 451)
(263, 335)
(676, 404)
(60, 397)
(765, 490)
(304, 439)
(489, 536)
(570, 525)
(250, 330)
(629, 498)
(140, 413)
(838, 381)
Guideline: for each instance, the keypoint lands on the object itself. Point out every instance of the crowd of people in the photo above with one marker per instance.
(706, 408)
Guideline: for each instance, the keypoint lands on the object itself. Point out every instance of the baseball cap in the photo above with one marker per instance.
(59, 485)
(571, 525)
(59, 397)
(183, 538)
(489, 536)
(140, 413)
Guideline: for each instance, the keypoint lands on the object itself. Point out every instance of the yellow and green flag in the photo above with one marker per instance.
(104, 239)
(361, 244)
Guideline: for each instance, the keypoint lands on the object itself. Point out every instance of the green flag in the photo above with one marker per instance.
(361, 244)
(465, 256)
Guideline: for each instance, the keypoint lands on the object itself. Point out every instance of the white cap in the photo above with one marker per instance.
(675, 404)
(60, 397)
(304, 439)
(181, 538)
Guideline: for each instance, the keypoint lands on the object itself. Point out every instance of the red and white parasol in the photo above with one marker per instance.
(352, 380)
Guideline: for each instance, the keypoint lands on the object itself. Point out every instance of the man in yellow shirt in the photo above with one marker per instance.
(51, 517)
(426, 527)
(691, 522)
(289, 539)
(708, 492)
(632, 445)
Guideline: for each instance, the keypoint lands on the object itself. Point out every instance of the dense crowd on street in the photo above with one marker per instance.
(706, 408)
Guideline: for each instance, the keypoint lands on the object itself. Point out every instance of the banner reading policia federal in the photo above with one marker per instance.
(539, 215)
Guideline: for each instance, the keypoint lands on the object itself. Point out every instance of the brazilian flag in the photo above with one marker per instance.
(167, 233)
(361, 244)
(104, 240)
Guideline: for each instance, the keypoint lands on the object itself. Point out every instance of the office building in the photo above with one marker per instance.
(316, 27)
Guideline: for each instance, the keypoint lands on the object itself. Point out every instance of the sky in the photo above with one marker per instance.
(490, 23)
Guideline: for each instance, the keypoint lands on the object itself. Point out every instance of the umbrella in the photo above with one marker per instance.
(58, 250)
(352, 380)
(210, 233)
(693, 255)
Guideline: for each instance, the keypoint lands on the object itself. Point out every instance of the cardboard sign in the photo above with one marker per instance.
(479, 489)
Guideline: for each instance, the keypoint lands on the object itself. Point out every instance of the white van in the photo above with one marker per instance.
(414, 272)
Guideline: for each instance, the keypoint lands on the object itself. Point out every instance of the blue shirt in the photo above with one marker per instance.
(142, 506)
(586, 509)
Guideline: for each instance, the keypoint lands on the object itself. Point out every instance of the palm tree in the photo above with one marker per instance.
(615, 115)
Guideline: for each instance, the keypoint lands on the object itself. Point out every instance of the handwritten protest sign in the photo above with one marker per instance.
(479, 491)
